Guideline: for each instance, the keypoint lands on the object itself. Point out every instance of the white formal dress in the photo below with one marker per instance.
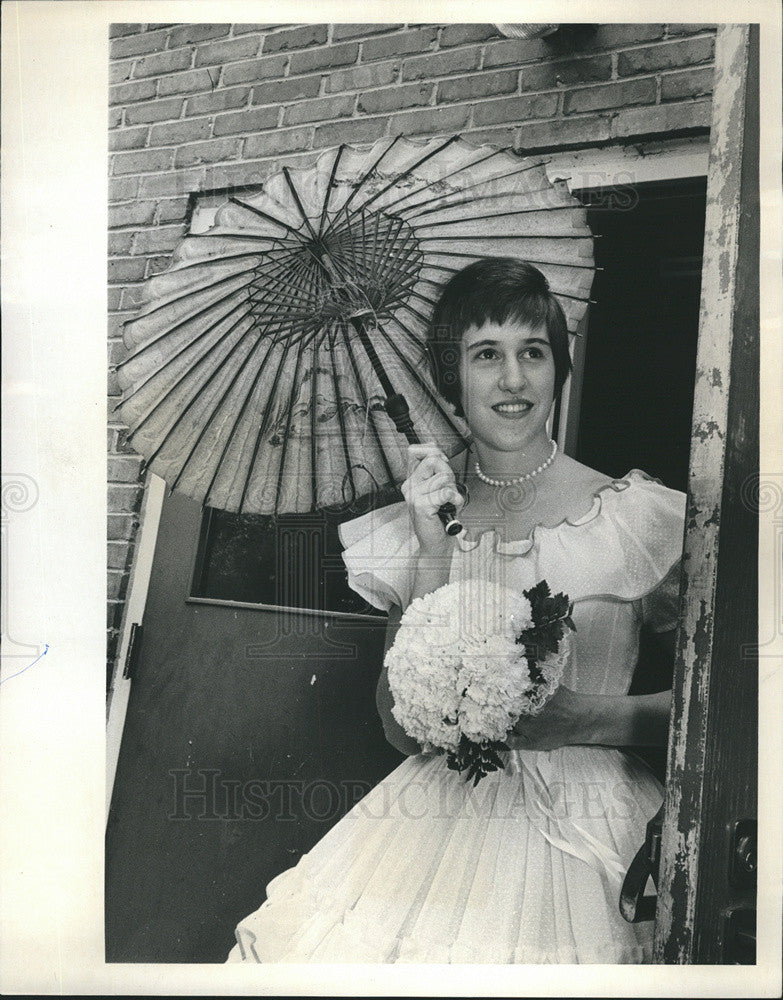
(527, 866)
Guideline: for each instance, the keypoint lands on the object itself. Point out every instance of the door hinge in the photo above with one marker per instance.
(132, 652)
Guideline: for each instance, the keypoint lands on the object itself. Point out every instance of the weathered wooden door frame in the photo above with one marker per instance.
(715, 679)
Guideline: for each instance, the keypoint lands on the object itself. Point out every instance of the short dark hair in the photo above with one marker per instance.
(494, 289)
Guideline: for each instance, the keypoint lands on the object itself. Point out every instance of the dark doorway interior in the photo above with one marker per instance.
(637, 394)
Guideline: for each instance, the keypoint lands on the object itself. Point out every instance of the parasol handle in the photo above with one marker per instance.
(397, 408)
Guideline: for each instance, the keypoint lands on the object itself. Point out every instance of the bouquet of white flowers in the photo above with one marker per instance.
(467, 662)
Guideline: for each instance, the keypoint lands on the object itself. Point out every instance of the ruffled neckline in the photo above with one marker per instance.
(518, 546)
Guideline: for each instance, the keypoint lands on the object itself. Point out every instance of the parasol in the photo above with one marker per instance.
(265, 362)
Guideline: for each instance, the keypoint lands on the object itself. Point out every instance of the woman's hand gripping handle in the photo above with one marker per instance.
(435, 492)
(430, 486)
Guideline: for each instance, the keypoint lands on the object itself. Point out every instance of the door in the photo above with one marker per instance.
(249, 732)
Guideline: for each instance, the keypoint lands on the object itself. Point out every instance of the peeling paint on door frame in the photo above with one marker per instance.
(678, 881)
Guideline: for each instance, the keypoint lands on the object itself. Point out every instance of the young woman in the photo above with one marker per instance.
(527, 866)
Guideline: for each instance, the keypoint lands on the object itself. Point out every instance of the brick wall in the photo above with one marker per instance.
(199, 106)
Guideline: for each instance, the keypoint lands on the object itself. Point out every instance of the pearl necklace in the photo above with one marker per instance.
(517, 479)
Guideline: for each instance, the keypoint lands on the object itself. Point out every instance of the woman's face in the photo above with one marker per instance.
(507, 378)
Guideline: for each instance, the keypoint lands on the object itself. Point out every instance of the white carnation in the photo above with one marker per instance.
(455, 669)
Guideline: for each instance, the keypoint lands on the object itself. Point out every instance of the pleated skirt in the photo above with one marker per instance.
(526, 867)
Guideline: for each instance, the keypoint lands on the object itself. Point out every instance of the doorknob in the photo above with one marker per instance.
(744, 853)
(634, 905)
(739, 922)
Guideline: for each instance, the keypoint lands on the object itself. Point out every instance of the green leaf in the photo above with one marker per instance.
(493, 758)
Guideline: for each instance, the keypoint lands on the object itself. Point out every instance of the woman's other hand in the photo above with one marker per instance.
(429, 485)
(565, 719)
(570, 717)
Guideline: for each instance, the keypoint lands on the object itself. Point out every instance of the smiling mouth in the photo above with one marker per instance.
(516, 409)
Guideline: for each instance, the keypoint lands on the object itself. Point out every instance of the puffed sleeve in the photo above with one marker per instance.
(651, 518)
(629, 548)
(380, 553)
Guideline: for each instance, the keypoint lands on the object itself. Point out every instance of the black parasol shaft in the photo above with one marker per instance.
(397, 408)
